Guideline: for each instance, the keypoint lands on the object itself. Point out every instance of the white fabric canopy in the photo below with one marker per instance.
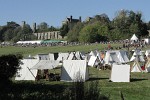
(46, 64)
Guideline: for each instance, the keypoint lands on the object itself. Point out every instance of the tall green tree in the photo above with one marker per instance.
(73, 35)
(8, 66)
(42, 27)
(89, 34)
(64, 30)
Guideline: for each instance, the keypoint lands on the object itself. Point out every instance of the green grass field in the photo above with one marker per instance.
(25, 51)
(137, 89)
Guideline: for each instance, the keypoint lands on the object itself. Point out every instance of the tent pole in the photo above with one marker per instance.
(31, 72)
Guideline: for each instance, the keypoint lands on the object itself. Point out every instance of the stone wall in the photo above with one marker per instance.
(48, 35)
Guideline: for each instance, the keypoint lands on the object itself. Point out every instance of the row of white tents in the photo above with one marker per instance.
(74, 64)
(135, 39)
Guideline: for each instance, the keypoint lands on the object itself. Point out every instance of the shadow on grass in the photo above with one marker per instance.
(95, 79)
(30, 91)
(135, 80)
(24, 90)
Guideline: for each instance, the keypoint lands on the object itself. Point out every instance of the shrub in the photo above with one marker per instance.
(8, 66)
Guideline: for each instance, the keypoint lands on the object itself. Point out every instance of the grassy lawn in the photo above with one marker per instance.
(137, 89)
(25, 51)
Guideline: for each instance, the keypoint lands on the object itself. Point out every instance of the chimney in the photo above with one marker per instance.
(71, 18)
(80, 19)
(23, 23)
(34, 27)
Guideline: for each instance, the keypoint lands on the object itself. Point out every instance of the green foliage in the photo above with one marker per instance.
(88, 34)
(42, 27)
(64, 30)
(123, 26)
(73, 35)
(8, 66)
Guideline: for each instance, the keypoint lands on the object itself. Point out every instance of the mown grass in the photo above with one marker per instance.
(137, 89)
(25, 51)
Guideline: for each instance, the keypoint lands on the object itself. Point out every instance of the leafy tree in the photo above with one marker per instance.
(73, 35)
(42, 27)
(64, 30)
(89, 34)
(148, 25)
(8, 66)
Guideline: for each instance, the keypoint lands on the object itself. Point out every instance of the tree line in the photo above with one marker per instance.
(98, 28)
(101, 28)
(14, 32)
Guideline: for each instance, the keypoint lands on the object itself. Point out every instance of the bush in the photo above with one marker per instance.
(83, 91)
(8, 66)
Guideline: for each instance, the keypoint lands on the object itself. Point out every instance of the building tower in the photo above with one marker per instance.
(23, 23)
(34, 27)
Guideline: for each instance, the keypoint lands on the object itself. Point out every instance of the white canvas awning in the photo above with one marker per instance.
(46, 64)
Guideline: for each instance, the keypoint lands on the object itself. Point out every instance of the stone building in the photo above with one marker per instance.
(71, 20)
(48, 35)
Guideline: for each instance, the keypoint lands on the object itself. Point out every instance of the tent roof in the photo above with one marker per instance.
(46, 64)
(51, 41)
(134, 37)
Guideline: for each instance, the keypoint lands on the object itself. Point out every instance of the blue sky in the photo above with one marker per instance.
(53, 12)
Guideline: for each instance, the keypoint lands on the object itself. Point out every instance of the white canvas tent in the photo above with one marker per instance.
(79, 56)
(120, 73)
(136, 67)
(93, 53)
(122, 56)
(42, 56)
(147, 66)
(111, 58)
(74, 56)
(94, 60)
(51, 56)
(134, 38)
(25, 73)
(29, 42)
(147, 41)
(62, 56)
(137, 55)
(46, 64)
(147, 53)
(74, 70)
